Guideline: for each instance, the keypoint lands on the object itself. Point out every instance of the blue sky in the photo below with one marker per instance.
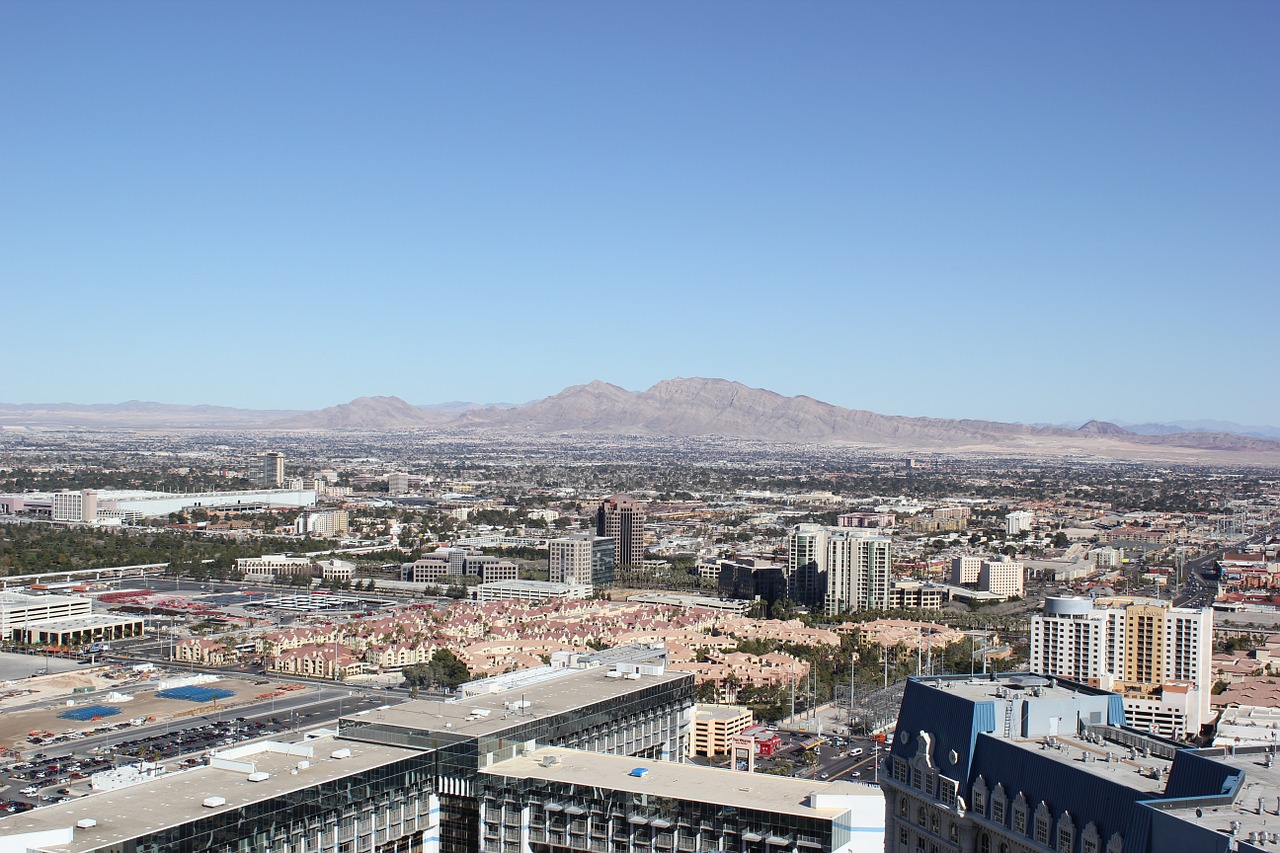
(1019, 211)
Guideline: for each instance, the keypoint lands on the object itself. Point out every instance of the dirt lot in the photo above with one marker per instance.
(37, 711)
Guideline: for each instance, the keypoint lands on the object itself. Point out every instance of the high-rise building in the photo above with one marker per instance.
(79, 506)
(271, 474)
(1018, 521)
(965, 569)
(1021, 763)
(397, 483)
(838, 569)
(582, 559)
(323, 522)
(1001, 577)
(1156, 656)
(621, 518)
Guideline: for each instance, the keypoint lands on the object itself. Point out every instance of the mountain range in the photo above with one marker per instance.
(671, 408)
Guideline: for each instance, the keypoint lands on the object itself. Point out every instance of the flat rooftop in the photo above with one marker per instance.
(726, 713)
(1015, 686)
(1256, 806)
(177, 798)
(493, 712)
(10, 599)
(1146, 773)
(1107, 759)
(761, 791)
(86, 622)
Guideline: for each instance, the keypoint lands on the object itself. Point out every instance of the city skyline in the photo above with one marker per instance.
(1064, 207)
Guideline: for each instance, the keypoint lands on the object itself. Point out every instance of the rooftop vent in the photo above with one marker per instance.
(639, 772)
(549, 761)
(214, 802)
(86, 823)
(258, 776)
(340, 753)
(303, 765)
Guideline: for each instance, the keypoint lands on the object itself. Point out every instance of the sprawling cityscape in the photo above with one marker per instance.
(408, 640)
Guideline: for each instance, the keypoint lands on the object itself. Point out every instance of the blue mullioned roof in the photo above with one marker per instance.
(1088, 796)
(953, 720)
(1115, 710)
(1194, 775)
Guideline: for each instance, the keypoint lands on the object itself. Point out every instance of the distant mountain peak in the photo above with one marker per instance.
(1103, 428)
(366, 413)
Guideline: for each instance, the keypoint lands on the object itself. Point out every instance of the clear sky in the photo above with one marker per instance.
(1030, 211)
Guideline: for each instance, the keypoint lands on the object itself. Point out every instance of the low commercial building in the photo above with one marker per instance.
(89, 505)
(528, 591)
(916, 595)
(79, 630)
(336, 570)
(714, 727)
(727, 605)
(269, 566)
(321, 796)
(569, 800)
(20, 610)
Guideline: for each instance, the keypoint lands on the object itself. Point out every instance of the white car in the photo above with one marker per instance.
(31, 790)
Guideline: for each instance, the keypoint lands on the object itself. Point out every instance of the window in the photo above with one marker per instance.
(979, 795)
(984, 843)
(997, 811)
(1066, 833)
(933, 822)
(947, 789)
(1019, 820)
(1043, 824)
(920, 815)
(904, 807)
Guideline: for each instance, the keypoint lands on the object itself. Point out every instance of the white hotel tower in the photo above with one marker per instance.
(1156, 656)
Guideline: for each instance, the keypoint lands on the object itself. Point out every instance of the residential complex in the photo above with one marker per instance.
(838, 569)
